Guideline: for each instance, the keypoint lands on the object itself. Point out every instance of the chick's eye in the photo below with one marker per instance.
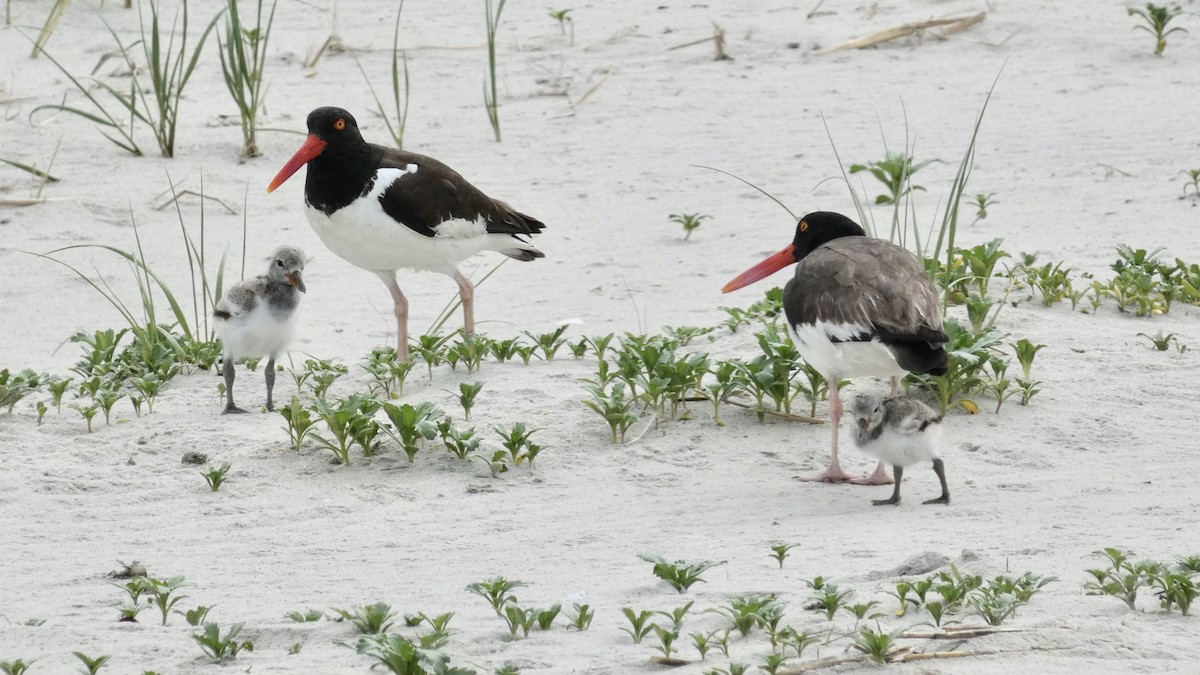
(279, 262)
(340, 124)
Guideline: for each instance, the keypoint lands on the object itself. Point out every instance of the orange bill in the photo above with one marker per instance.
(763, 269)
(312, 147)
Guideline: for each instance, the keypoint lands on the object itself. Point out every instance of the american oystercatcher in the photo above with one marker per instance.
(857, 307)
(384, 209)
(899, 431)
(258, 317)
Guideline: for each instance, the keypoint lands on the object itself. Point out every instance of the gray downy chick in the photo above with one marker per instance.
(899, 431)
(258, 317)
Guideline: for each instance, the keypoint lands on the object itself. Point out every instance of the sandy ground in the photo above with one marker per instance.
(1082, 144)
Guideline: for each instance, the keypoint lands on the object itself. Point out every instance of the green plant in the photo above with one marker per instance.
(969, 356)
(862, 610)
(1162, 342)
(42, 409)
(388, 372)
(895, 171)
(676, 615)
(215, 478)
(829, 599)
(398, 106)
(735, 668)
(1000, 598)
(798, 641)
(582, 618)
(723, 385)
(497, 463)
(14, 387)
(15, 666)
(305, 617)
(550, 342)
(1190, 563)
(1123, 578)
(432, 350)
(195, 617)
(703, 642)
(220, 648)
(545, 617)
(516, 441)
(58, 387)
(462, 443)
(412, 424)
(681, 574)
(747, 611)
(243, 53)
(876, 643)
(779, 550)
(937, 610)
(613, 406)
(492, 11)
(666, 640)
(639, 623)
(1174, 589)
(299, 421)
(350, 423)
(149, 385)
(982, 202)
(771, 663)
(163, 594)
(466, 396)
(470, 351)
(508, 669)
(401, 656)
(689, 221)
(1193, 182)
(497, 591)
(323, 373)
(1155, 19)
(563, 18)
(129, 612)
(91, 665)
(369, 619)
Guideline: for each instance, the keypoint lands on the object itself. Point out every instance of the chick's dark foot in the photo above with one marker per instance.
(944, 499)
(232, 409)
(891, 501)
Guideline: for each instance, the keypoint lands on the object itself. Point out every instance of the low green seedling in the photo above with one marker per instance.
(676, 615)
(163, 594)
(666, 640)
(461, 443)
(466, 396)
(411, 425)
(299, 421)
(305, 617)
(195, 617)
(91, 665)
(401, 656)
(516, 442)
(780, 550)
(639, 623)
(614, 406)
(1155, 19)
(681, 574)
(548, 343)
(369, 619)
(215, 477)
(221, 648)
(689, 221)
(497, 591)
(15, 666)
(581, 619)
(876, 643)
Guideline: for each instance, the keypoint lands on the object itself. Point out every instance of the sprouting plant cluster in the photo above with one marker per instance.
(1174, 586)
(498, 592)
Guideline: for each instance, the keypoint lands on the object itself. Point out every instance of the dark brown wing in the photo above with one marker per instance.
(436, 193)
(863, 289)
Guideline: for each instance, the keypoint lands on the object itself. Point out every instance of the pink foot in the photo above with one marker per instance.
(833, 474)
(878, 477)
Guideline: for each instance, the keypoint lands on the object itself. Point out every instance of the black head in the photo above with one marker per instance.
(333, 125)
(820, 227)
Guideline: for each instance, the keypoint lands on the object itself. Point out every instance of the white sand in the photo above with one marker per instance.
(1083, 144)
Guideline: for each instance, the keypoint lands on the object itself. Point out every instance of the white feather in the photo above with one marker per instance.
(257, 332)
(367, 237)
(828, 348)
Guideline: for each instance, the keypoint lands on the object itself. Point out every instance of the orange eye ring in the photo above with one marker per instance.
(340, 125)
(804, 226)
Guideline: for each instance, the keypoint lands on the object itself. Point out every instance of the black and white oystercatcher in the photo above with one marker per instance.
(384, 209)
(258, 317)
(857, 307)
(899, 431)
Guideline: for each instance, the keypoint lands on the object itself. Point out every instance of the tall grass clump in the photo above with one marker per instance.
(243, 59)
(490, 102)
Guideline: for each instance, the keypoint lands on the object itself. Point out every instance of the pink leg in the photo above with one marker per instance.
(834, 473)
(401, 310)
(466, 291)
(895, 386)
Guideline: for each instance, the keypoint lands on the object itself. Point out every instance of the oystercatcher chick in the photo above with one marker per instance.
(857, 307)
(899, 431)
(384, 209)
(258, 317)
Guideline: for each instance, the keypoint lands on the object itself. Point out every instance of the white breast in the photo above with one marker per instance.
(257, 332)
(899, 449)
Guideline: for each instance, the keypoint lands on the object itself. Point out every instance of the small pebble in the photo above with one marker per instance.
(195, 458)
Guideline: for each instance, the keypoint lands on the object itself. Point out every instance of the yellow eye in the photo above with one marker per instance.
(340, 125)
(804, 226)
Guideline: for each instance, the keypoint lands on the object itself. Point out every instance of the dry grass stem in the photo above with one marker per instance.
(952, 25)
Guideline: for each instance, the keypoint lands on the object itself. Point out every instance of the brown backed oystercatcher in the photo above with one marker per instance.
(384, 209)
(258, 317)
(857, 307)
